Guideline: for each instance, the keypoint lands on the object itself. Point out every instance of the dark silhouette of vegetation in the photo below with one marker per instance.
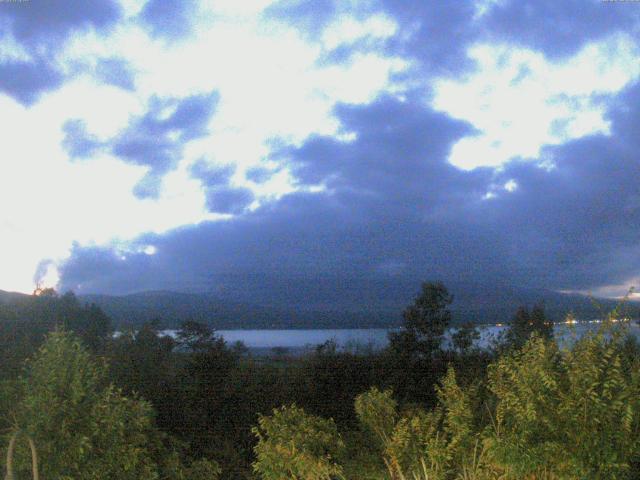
(465, 337)
(539, 413)
(525, 323)
(424, 322)
(145, 405)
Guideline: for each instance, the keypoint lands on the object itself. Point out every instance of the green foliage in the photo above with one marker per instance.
(202, 470)
(295, 445)
(83, 429)
(415, 443)
(377, 413)
(527, 386)
(439, 444)
(536, 412)
(571, 414)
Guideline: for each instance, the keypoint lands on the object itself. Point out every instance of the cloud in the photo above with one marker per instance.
(211, 175)
(231, 200)
(46, 23)
(437, 34)
(115, 71)
(337, 150)
(169, 19)
(77, 141)
(519, 101)
(308, 16)
(155, 140)
(393, 211)
(389, 192)
(259, 174)
(221, 197)
(26, 80)
(40, 29)
(558, 29)
(434, 34)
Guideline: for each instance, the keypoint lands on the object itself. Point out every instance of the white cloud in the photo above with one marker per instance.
(520, 102)
(270, 85)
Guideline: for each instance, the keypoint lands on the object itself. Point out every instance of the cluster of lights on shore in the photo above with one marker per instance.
(573, 321)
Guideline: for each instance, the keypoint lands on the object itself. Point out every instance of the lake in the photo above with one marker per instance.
(376, 338)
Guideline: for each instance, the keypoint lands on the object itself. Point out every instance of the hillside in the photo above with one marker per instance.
(471, 303)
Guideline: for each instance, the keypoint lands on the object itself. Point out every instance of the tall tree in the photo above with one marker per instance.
(83, 428)
(525, 323)
(424, 322)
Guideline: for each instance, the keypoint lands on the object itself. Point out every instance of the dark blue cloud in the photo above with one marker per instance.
(112, 267)
(395, 212)
(212, 175)
(557, 28)
(394, 152)
(156, 139)
(259, 174)
(220, 196)
(227, 199)
(116, 71)
(387, 203)
(169, 19)
(46, 22)
(25, 81)
(41, 27)
(436, 35)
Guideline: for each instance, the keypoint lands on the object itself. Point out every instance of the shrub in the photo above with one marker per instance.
(295, 445)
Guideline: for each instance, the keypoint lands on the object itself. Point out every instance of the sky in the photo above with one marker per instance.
(286, 148)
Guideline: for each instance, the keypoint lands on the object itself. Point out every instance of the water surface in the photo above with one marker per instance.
(377, 338)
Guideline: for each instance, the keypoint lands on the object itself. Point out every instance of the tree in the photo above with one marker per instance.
(524, 324)
(464, 337)
(204, 384)
(196, 337)
(86, 429)
(82, 427)
(425, 322)
(89, 322)
(140, 362)
(540, 324)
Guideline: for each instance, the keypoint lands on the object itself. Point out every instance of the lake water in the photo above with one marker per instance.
(376, 337)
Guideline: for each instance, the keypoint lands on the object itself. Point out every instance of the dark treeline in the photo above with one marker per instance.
(196, 407)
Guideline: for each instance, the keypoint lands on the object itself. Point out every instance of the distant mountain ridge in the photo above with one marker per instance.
(472, 303)
(172, 307)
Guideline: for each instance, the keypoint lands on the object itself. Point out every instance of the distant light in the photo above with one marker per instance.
(150, 250)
